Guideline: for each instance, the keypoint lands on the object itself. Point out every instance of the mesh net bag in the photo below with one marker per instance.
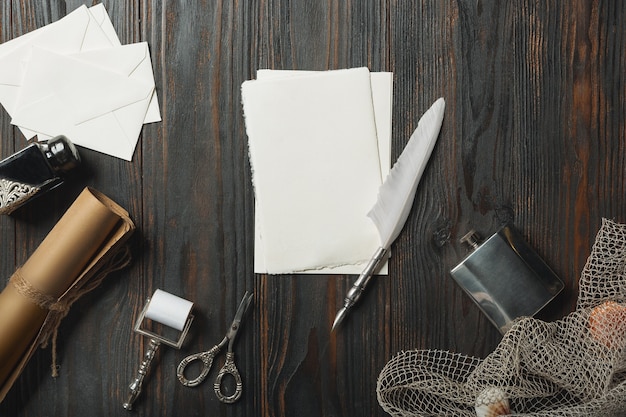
(575, 366)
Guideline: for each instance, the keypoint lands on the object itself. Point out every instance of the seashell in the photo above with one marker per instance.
(607, 324)
(492, 402)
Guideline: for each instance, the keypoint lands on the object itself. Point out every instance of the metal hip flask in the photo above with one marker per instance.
(505, 277)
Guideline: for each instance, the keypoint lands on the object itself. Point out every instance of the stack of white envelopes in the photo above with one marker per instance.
(74, 77)
(319, 145)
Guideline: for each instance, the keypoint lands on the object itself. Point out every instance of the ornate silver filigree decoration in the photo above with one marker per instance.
(14, 194)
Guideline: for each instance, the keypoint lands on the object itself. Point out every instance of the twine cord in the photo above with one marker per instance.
(59, 307)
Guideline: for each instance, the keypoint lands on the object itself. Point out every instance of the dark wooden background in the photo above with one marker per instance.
(534, 133)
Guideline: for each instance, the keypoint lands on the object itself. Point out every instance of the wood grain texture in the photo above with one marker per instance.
(534, 133)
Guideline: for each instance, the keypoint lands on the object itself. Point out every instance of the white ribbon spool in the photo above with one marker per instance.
(169, 309)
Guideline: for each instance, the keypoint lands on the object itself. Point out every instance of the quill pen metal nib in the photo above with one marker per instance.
(395, 198)
(359, 285)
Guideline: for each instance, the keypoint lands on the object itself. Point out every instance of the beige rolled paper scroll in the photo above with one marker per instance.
(81, 245)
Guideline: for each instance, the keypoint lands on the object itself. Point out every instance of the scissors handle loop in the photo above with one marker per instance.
(207, 361)
(229, 368)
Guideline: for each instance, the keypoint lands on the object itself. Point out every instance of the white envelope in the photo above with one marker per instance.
(95, 107)
(100, 15)
(102, 18)
(78, 31)
(132, 60)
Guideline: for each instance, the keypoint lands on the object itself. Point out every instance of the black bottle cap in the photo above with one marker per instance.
(60, 153)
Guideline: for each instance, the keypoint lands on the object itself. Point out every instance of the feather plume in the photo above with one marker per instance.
(396, 194)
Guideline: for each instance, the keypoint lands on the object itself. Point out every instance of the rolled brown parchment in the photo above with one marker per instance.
(81, 245)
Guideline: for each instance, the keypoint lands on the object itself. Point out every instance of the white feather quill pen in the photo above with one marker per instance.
(396, 195)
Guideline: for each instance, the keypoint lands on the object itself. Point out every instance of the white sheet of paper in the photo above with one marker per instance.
(316, 168)
(84, 34)
(382, 94)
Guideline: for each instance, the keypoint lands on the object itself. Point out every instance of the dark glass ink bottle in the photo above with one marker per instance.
(34, 170)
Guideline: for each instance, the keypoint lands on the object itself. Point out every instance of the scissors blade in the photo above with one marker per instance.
(244, 305)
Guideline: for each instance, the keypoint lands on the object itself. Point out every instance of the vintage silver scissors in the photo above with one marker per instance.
(207, 357)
